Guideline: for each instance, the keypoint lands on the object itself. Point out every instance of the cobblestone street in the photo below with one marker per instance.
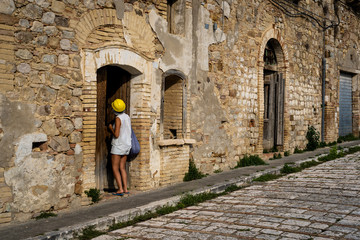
(321, 202)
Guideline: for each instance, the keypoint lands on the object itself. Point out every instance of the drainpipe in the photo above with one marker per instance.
(323, 99)
(323, 89)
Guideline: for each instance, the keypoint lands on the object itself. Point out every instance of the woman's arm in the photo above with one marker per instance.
(117, 127)
(116, 131)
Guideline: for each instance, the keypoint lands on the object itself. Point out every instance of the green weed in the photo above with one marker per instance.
(252, 160)
(286, 169)
(193, 172)
(267, 177)
(94, 194)
(45, 215)
(90, 233)
(313, 138)
(297, 150)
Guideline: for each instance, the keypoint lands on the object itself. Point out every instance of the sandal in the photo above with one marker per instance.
(118, 194)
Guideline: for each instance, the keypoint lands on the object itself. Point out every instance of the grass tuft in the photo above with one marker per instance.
(267, 177)
(90, 233)
(45, 215)
(94, 194)
(193, 172)
(252, 160)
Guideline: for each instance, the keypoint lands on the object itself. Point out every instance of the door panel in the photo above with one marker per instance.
(113, 83)
(269, 110)
(273, 129)
(280, 86)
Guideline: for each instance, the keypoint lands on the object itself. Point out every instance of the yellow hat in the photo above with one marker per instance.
(118, 105)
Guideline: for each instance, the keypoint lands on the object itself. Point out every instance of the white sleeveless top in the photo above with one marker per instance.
(123, 142)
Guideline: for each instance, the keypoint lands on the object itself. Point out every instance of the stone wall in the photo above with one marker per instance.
(236, 78)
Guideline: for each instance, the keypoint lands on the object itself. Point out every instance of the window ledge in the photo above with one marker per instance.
(176, 142)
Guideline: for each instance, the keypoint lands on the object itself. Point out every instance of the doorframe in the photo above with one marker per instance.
(283, 67)
(141, 75)
(355, 79)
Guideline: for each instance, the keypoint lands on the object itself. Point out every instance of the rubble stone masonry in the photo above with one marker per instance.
(51, 51)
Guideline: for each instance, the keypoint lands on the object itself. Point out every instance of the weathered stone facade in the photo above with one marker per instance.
(198, 83)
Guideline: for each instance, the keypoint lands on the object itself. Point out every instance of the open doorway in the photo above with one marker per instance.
(274, 86)
(112, 82)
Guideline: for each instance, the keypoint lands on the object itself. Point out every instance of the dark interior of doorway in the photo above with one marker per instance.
(112, 83)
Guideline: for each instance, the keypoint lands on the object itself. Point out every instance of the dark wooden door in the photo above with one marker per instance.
(112, 83)
(273, 129)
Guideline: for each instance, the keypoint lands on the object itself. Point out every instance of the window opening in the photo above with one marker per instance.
(176, 16)
(39, 146)
(173, 107)
(269, 55)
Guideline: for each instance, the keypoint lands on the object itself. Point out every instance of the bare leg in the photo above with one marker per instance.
(123, 171)
(115, 162)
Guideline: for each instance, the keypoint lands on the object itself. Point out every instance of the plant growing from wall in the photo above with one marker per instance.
(251, 160)
(298, 150)
(94, 194)
(193, 172)
(45, 215)
(313, 138)
(349, 137)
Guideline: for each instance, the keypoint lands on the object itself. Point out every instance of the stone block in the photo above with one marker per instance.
(58, 6)
(59, 144)
(5, 218)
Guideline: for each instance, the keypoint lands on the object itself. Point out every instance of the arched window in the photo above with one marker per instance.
(176, 16)
(173, 106)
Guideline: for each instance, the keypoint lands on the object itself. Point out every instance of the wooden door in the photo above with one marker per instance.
(273, 129)
(269, 111)
(112, 83)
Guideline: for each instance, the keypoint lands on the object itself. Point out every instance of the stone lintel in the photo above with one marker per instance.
(178, 142)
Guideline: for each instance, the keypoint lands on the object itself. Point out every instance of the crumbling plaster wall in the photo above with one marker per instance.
(179, 55)
(17, 119)
(208, 117)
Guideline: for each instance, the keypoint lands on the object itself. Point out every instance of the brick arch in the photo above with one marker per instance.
(134, 33)
(92, 20)
(281, 51)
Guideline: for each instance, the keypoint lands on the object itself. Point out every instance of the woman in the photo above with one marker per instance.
(121, 145)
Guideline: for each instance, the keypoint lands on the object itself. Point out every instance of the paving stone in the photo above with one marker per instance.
(266, 236)
(200, 236)
(353, 236)
(342, 229)
(295, 235)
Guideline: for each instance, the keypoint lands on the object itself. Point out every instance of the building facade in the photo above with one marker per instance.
(208, 81)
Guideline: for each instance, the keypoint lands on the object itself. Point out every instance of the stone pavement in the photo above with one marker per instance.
(319, 203)
(244, 205)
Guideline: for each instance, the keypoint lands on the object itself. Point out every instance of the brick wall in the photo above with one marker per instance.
(7, 52)
(174, 164)
(173, 107)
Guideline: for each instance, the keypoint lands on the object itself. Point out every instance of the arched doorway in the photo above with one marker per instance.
(112, 82)
(274, 86)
